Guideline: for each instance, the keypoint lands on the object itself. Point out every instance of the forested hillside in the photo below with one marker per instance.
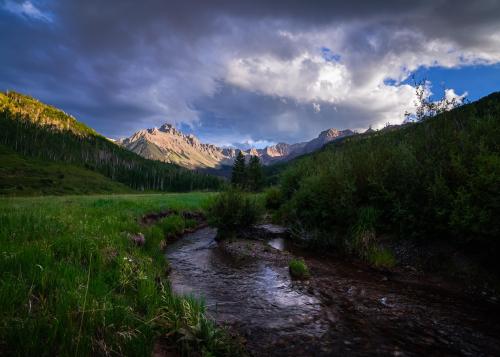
(33, 129)
(28, 176)
(435, 179)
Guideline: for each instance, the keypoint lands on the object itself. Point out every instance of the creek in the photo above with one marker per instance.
(344, 309)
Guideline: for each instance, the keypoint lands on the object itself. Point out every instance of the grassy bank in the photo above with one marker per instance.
(72, 282)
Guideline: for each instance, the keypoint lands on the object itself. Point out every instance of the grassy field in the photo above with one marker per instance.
(73, 283)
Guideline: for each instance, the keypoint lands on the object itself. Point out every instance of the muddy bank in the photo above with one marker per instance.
(344, 308)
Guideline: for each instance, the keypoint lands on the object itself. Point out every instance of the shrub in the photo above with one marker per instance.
(298, 269)
(273, 198)
(233, 210)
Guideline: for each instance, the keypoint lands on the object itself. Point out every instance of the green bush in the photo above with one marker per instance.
(298, 269)
(233, 210)
(273, 198)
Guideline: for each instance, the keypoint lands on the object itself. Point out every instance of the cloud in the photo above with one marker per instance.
(236, 71)
(450, 95)
(26, 9)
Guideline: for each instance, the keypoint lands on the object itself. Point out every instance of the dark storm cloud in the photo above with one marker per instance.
(122, 65)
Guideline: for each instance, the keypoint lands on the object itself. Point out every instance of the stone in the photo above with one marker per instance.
(138, 239)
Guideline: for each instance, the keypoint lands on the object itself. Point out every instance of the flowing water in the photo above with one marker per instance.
(342, 310)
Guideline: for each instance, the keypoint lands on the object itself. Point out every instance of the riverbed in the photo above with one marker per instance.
(344, 309)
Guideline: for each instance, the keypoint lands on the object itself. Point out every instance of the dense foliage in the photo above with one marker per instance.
(37, 130)
(232, 211)
(439, 178)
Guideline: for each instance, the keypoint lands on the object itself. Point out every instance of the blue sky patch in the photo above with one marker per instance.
(329, 56)
(478, 80)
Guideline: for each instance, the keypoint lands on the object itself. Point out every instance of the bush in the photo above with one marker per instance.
(232, 211)
(273, 198)
(298, 269)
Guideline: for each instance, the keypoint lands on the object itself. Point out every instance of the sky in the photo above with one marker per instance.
(246, 72)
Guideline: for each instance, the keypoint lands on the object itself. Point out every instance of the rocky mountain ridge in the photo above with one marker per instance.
(168, 144)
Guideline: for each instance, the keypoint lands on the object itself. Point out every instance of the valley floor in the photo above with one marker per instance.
(77, 278)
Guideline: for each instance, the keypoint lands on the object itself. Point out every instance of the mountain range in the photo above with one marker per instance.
(168, 144)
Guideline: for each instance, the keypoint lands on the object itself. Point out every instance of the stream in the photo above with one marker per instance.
(344, 309)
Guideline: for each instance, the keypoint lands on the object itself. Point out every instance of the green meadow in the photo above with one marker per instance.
(73, 282)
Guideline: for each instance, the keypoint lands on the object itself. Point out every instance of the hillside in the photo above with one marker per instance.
(44, 133)
(20, 175)
(168, 144)
(436, 180)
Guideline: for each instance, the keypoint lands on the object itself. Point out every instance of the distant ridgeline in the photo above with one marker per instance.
(438, 178)
(37, 130)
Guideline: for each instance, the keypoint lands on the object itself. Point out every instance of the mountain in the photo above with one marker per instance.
(42, 136)
(168, 144)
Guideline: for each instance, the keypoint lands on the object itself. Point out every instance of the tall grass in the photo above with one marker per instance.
(72, 282)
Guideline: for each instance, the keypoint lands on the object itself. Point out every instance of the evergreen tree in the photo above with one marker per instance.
(238, 177)
(255, 177)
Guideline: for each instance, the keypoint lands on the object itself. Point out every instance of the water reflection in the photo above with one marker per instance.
(253, 293)
(277, 243)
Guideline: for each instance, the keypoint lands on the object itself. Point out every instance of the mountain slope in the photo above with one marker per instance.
(37, 130)
(25, 176)
(170, 145)
(167, 144)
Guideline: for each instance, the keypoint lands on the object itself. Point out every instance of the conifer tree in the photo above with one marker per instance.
(238, 177)
(255, 177)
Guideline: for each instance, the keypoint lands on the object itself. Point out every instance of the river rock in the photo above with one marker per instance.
(138, 239)
(266, 231)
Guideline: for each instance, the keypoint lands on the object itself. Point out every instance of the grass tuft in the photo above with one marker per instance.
(381, 257)
(298, 269)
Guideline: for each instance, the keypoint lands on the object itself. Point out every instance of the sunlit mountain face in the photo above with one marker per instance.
(247, 72)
